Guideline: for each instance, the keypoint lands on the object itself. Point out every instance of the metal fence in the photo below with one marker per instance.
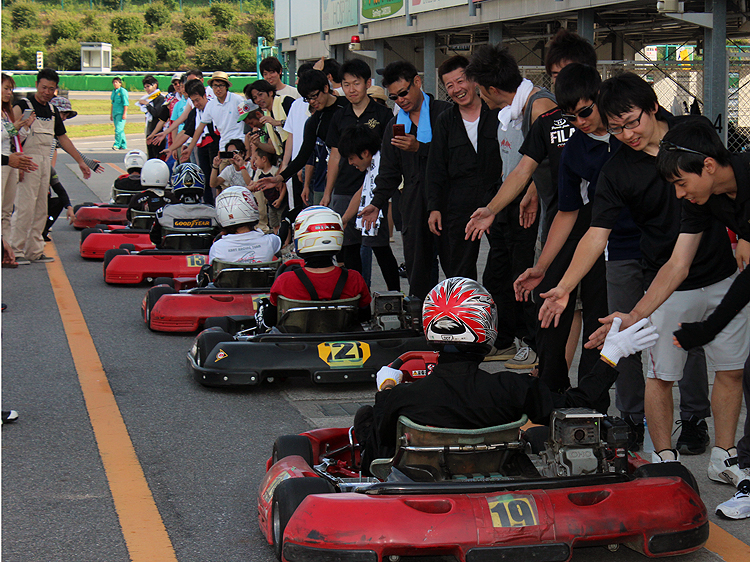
(679, 88)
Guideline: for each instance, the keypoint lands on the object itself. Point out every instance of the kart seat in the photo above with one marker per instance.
(143, 220)
(229, 275)
(318, 317)
(196, 240)
(430, 451)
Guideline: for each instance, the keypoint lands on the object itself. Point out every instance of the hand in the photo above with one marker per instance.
(159, 138)
(631, 340)
(238, 160)
(216, 162)
(268, 183)
(306, 196)
(99, 169)
(22, 162)
(85, 170)
(276, 204)
(70, 215)
(369, 215)
(596, 340)
(184, 157)
(480, 223)
(408, 143)
(527, 282)
(9, 255)
(388, 377)
(326, 200)
(528, 210)
(555, 302)
(692, 334)
(435, 222)
(320, 63)
(742, 255)
(21, 123)
(267, 119)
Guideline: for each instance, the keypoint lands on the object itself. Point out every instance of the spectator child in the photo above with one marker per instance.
(235, 172)
(276, 195)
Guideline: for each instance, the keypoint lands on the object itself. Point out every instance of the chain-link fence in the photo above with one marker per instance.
(679, 89)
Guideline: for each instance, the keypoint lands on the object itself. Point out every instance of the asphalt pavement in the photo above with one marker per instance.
(202, 451)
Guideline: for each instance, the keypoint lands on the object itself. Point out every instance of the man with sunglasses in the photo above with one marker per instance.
(688, 274)
(404, 158)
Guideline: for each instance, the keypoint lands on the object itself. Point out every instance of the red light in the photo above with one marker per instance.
(355, 39)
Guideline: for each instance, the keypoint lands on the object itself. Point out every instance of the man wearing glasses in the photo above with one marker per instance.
(689, 274)
(406, 146)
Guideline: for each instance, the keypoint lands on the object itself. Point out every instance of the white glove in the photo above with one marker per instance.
(389, 374)
(631, 340)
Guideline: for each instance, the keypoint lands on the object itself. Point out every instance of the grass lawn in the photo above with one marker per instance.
(104, 129)
(99, 107)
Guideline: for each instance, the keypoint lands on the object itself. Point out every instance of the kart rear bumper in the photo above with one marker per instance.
(87, 217)
(97, 243)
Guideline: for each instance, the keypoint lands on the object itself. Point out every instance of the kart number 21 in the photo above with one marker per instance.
(513, 511)
(344, 353)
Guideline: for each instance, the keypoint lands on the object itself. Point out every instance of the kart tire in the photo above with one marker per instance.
(169, 281)
(288, 445)
(537, 438)
(102, 226)
(128, 247)
(661, 469)
(221, 322)
(110, 254)
(153, 295)
(207, 341)
(87, 204)
(286, 499)
(86, 231)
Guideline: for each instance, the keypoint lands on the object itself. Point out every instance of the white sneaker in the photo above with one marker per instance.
(665, 455)
(737, 507)
(524, 359)
(505, 354)
(724, 467)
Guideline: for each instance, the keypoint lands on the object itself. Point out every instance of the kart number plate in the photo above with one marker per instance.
(513, 510)
(342, 354)
(196, 260)
(268, 493)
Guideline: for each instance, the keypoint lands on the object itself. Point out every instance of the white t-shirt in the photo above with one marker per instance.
(247, 247)
(298, 114)
(288, 90)
(231, 176)
(224, 117)
(472, 129)
(368, 186)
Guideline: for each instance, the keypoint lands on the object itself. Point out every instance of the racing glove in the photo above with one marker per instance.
(631, 340)
(388, 374)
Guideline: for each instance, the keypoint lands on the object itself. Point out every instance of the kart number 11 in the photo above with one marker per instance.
(196, 260)
(341, 354)
(513, 511)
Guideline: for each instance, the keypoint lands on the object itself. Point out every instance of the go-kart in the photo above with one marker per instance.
(322, 340)
(182, 255)
(496, 493)
(233, 290)
(88, 215)
(97, 240)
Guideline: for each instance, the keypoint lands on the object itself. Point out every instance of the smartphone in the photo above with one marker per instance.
(399, 131)
(27, 113)
(226, 155)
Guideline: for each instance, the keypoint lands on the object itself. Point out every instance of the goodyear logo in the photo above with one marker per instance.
(343, 354)
(192, 223)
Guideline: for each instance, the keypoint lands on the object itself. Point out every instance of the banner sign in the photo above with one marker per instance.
(373, 10)
(418, 6)
(339, 13)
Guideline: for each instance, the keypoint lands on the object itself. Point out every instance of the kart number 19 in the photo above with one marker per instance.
(196, 260)
(339, 354)
(513, 511)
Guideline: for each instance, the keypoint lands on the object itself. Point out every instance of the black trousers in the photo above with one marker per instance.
(511, 253)
(54, 208)
(419, 243)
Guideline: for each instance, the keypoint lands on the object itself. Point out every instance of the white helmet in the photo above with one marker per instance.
(134, 159)
(155, 173)
(236, 205)
(318, 229)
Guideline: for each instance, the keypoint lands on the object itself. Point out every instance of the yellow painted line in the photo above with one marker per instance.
(726, 545)
(142, 526)
(117, 168)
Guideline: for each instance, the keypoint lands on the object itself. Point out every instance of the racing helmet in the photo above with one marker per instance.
(135, 159)
(460, 311)
(236, 205)
(155, 173)
(188, 179)
(318, 229)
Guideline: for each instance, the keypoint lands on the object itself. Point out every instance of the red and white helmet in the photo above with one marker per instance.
(318, 229)
(459, 310)
(236, 205)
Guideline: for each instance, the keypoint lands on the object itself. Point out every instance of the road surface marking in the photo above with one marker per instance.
(729, 547)
(117, 168)
(142, 526)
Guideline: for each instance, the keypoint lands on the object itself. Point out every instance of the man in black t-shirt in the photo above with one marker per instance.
(31, 198)
(715, 184)
(685, 288)
(344, 180)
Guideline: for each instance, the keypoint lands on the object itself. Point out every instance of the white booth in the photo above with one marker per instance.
(96, 57)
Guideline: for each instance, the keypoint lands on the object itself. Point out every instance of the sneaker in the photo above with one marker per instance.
(496, 354)
(636, 433)
(665, 455)
(43, 259)
(8, 416)
(737, 507)
(21, 260)
(694, 437)
(524, 359)
(402, 271)
(724, 467)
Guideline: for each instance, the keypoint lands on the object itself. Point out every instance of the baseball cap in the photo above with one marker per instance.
(244, 108)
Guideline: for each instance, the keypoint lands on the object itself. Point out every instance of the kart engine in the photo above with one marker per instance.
(583, 441)
(393, 311)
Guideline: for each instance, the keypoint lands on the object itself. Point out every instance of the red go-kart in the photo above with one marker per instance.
(89, 215)
(97, 240)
